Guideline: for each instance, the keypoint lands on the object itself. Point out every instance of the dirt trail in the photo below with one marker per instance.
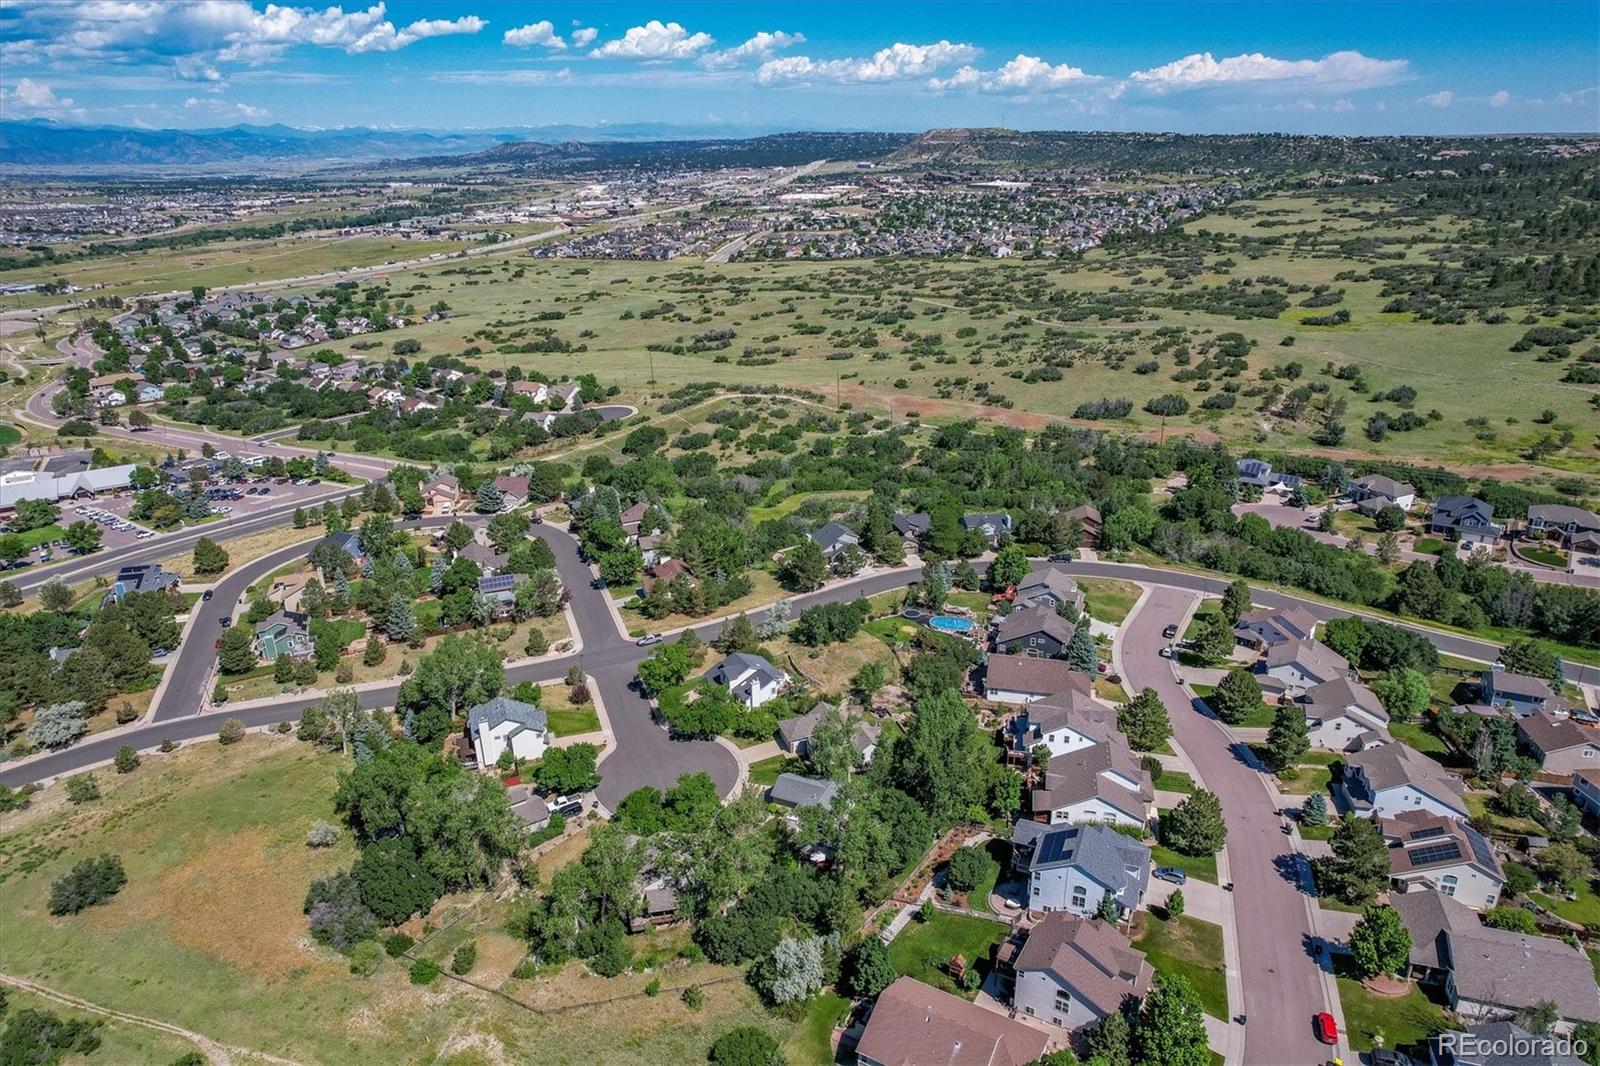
(217, 1053)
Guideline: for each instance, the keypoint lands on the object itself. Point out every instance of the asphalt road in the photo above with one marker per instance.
(1282, 985)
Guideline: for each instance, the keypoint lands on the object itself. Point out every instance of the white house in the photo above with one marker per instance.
(1374, 492)
(1072, 972)
(1025, 679)
(1429, 852)
(506, 723)
(1393, 779)
(1298, 665)
(752, 680)
(1102, 783)
(1063, 722)
(1345, 715)
(1072, 867)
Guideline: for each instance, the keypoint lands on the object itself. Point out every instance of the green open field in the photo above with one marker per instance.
(209, 934)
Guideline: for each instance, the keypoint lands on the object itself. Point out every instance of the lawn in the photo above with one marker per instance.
(42, 535)
(1174, 781)
(1419, 738)
(1202, 867)
(1546, 556)
(1108, 600)
(764, 590)
(812, 1040)
(1405, 1021)
(213, 840)
(565, 718)
(1191, 948)
(765, 772)
(999, 852)
(923, 949)
(1584, 910)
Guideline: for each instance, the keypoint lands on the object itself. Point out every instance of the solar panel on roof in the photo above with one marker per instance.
(497, 583)
(1445, 852)
(1428, 831)
(1480, 847)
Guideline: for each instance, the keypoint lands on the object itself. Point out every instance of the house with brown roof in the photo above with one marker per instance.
(1090, 525)
(1429, 852)
(1024, 679)
(633, 517)
(1488, 973)
(668, 572)
(1101, 783)
(1036, 631)
(1561, 745)
(1071, 972)
(443, 494)
(1383, 782)
(513, 491)
(1268, 627)
(1297, 665)
(1062, 722)
(913, 1024)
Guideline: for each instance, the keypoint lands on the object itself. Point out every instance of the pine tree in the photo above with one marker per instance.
(1287, 739)
(401, 624)
(490, 499)
(1143, 720)
(1082, 654)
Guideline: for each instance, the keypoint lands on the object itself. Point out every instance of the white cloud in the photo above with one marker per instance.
(1344, 105)
(232, 31)
(1024, 74)
(1336, 72)
(535, 33)
(1442, 98)
(35, 98)
(762, 46)
(656, 40)
(226, 108)
(895, 63)
(584, 36)
(1500, 99)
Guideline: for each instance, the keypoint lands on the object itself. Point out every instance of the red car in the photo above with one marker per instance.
(1327, 1029)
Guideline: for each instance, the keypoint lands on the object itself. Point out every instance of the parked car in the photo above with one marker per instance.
(649, 639)
(598, 583)
(1166, 651)
(1174, 874)
(1326, 1028)
(206, 595)
(1389, 1057)
(225, 621)
(1171, 631)
(570, 810)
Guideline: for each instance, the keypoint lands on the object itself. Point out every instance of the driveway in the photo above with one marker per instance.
(1283, 985)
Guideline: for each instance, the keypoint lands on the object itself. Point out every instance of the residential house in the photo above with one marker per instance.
(916, 1023)
(1035, 631)
(513, 491)
(283, 633)
(1429, 852)
(529, 806)
(1258, 473)
(1562, 522)
(1267, 627)
(1393, 779)
(1297, 665)
(650, 545)
(794, 734)
(1090, 526)
(287, 590)
(1072, 972)
(1492, 974)
(488, 560)
(1063, 722)
(1521, 694)
(1586, 789)
(149, 577)
(1052, 588)
(752, 679)
(504, 724)
(1103, 783)
(1466, 519)
(567, 394)
(794, 791)
(992, 525)
(666, 573)
(1072, 867)
(537, 391)
(1561, 745)
(501, 590)
(149, 393)
(633, 518)
(1345, 715)
(1024, 679)
(443, 494)
(834, 539)
(913, 527)
(1374, 492)
(348, 543)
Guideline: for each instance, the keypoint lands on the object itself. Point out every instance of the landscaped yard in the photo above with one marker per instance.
(1545, 556)
(924, 949)
(1584, 910)
(1174, 781)
(1418, 737)
(1405, 1021)
(1191, 948)
(765, 773)
(812, 1040)
(764, 590)
(1108, 600)
(1203, 867)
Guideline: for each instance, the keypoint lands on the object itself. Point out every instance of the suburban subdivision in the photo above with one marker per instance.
(642, 592)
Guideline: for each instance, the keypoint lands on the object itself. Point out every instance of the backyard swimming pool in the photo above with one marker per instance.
(949, 623)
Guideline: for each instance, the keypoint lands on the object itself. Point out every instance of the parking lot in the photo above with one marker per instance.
(110, 513)
(248, 496)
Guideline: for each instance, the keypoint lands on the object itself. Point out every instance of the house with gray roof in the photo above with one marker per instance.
(1297, 665)
(1062, 722)
(752, 679)
(1521, 694)
(1050, 587)
(1024, 679)
(1267, 627)
(1345, 715)
(1101, 783)
(1466, 519)
(1389, 780)
(1036, 631)
(529, 806)
(1491, 974)
(1072, 867)
(148, 577)
(503, 723)
(794, 791)
(1072, 972)
(1561, 521)
(834, 538)
(1374, 492)
(913, 527)
(1558, 743)
(1258, 473)
(993, 524)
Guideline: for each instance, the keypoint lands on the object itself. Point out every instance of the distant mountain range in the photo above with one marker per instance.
(772, 150)
(49, 144)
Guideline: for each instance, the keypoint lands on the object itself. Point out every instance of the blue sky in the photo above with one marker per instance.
(1375, 67)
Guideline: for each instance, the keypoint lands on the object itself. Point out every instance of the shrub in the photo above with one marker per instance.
(337, 916)
(167, 746)
(126, 761)
(424, 972)
(693, 997)
(653, 989)
(744, 1046)
(322, 835)
(525, 970)
(365, 957)
(232, 731)
(465, 958)
(967, 869)
(88, 883)
(397, 944)
(83, 788)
